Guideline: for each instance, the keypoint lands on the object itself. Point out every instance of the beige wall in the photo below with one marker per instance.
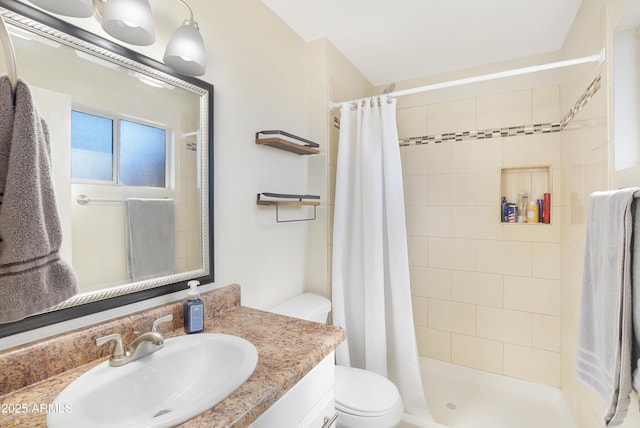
(333, 78)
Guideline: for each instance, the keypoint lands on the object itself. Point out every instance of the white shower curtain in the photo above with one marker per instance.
(371, 291)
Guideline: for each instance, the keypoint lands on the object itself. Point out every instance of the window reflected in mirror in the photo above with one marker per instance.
(91, 147)
(117, 151)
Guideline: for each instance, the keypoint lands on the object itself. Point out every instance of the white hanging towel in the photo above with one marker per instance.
(33, 277)
(371, 289)
(605, 339)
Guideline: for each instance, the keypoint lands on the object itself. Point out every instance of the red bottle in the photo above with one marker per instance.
(546, 212)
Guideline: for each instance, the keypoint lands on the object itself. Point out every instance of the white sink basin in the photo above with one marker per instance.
(188, 376)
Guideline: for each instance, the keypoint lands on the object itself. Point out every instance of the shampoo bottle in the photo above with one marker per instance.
(193, 309)
(504, 214)
(523, 203)
(532, 212)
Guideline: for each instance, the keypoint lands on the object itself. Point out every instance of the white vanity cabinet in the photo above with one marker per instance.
(310, 403)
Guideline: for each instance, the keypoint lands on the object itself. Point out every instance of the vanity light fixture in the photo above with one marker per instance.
(185, 51)
(131, 21)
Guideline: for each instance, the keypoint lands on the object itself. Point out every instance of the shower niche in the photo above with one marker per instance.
(520, 186)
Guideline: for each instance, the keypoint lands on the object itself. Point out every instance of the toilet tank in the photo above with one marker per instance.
(307, 306)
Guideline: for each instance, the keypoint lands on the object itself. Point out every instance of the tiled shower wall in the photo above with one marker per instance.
(486, 294)
(586, 153)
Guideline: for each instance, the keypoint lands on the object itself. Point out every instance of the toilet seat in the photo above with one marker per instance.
(364, 393)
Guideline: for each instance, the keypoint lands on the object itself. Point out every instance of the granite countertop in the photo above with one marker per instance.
(288, 349)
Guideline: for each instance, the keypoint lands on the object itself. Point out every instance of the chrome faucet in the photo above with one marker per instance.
(144, 344)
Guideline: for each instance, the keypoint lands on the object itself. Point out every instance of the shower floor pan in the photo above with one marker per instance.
(460, 397)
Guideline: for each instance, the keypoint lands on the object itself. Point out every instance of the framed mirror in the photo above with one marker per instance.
(132, 147)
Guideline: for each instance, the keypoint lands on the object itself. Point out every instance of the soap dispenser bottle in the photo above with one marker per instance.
(193, 309)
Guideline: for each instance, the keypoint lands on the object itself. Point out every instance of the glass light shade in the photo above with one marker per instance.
(75, 8)
(130, 21)
(185, 51)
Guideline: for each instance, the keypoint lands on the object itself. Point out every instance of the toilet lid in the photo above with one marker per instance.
(364, 393)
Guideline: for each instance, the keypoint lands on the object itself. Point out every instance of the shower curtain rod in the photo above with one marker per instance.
(599, 57)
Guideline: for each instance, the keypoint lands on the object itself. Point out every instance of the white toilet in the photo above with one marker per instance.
(363, 399)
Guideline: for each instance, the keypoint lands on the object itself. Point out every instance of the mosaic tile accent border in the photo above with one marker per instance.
(514, 131)
(582, 101)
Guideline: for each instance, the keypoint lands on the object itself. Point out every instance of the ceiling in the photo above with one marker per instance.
(391, 41)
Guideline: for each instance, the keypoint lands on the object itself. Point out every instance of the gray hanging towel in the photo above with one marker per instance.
(605, 340)
(151, 247)
(33, 277)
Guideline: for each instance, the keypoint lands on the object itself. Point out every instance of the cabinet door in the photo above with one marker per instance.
(307, 403)
(323, 415)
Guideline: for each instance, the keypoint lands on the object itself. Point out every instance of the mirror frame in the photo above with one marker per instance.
(92, 302)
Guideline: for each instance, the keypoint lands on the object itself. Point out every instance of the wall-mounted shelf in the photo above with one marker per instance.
(287, 200)
(285, 141)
